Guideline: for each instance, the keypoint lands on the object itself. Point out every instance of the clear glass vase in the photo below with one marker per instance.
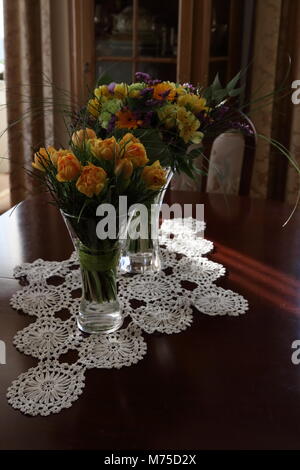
(99, 310)
(142, 254)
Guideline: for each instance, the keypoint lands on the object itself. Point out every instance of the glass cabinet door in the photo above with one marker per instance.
(136, 35)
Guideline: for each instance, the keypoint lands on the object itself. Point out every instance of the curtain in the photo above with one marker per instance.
(276, 38)
(37, 81)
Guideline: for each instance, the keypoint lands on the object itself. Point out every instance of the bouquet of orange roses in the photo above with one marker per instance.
(86, 182)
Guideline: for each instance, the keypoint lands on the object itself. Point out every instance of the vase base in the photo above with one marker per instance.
(95, 318)
(140, 263)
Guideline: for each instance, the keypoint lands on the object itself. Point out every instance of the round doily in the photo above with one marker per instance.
(48, 337)
(122, 348)
(47, 388)
(217, 301)
(171, 317)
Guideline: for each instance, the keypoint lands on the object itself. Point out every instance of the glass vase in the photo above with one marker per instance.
(99, 310)
(142, 255)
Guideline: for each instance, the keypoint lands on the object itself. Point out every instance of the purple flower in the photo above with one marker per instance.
(190, 87)
(146, 78)
(111, 87)
(142, 77)
(145, 91)
(154, 82)
(244, 127)
(111, 124)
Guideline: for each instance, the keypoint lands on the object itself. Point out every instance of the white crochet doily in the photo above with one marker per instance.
(159, 303)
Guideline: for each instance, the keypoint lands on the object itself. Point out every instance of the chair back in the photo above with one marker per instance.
(250, 140)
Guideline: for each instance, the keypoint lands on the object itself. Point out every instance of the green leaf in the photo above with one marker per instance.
(233, 82)
(216, 84)
(236, 92)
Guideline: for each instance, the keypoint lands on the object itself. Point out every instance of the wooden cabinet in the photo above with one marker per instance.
(178, 40)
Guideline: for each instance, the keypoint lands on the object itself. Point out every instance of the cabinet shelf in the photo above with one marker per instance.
(220, 58)
(159, 60)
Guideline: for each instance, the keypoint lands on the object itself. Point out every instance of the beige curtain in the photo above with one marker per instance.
(36, 69)
(277, 36)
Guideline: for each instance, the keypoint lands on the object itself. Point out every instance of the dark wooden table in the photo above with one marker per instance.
(224, 383)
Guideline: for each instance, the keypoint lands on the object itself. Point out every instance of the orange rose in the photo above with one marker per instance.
(154, 176)
(43, 157)
(58, 153)
(107, 149)
(127, 139)
(124, 168)
(68, 167)
(92, 180)
(81, 136)
(136, 152)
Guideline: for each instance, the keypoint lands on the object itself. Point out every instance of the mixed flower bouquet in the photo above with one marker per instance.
(170, 119)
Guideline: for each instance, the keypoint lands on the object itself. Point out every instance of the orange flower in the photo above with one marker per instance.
(136, 153)
(154, 176)
(124, 168)
(92, 180)
(160, 91)
(107, 149)
(81, 136)
(43, 157)
(58, 153)
(126, 120)
(128, 138)
(68, 167)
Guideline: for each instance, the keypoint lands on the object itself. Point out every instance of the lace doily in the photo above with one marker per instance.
(159, 303)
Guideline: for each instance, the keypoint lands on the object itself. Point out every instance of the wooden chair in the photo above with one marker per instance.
(250, 140)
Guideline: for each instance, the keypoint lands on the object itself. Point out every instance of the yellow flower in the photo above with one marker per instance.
(167, 115)
(102, 90)
(154, 176)
(164, 91)
(81, 136)
(136, 153)
(43, 157)
(120, 91)
(68, 167)
(192, 102)
(94, 107)
(134, 93)
(124, 168)
(188, 124)
(107, 149)
(92, 180)
(180, 90)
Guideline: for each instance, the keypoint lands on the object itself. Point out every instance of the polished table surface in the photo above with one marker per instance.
(224, 383)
